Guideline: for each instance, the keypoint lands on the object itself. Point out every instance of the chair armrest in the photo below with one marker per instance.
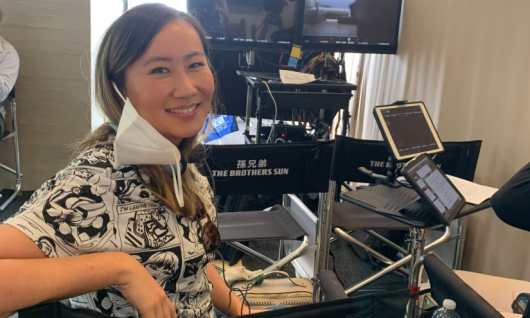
(332, 288)
(5, 101)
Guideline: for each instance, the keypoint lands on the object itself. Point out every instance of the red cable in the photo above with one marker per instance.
(280, 62)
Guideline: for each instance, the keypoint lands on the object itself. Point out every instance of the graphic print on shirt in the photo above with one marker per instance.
(109, 301)
(47, 245)
(123, 172)
(100, 156)
(102, 302)
(149, 229)
(191, 272)
(78, 215)
(132, 191)
(164, 266)
(190, 231)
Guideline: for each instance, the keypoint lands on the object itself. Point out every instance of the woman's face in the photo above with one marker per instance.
(171, 85)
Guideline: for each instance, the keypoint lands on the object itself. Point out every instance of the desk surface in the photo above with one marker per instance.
(353, 197)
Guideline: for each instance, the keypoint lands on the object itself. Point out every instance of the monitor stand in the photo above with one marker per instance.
(388, 180)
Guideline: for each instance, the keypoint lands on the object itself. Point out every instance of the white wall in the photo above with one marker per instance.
(469, 62)
(52, 38)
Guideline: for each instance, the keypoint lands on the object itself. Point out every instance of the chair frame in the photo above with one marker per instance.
(14, 135)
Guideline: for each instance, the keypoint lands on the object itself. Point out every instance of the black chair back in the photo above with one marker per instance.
(271, 168)
(445, 284)
(459, 159)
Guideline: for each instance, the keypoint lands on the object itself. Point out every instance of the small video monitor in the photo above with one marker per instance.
(407, 130)
(434, 187)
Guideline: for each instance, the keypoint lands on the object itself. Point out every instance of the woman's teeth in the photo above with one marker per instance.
(183, 111)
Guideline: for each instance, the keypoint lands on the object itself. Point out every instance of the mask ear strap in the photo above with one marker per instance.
(178, 187)
(118, 91)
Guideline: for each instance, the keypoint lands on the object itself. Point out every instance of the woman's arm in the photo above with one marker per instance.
(28, 277)
(220, 295)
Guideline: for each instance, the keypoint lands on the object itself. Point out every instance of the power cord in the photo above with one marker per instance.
(275, 113)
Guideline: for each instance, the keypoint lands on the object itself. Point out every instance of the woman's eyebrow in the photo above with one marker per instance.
(193, 54)
(158, 59)
(170, 59)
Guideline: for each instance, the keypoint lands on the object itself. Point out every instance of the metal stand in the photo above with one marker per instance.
(414, 307)
(417, 237)
(16, 172)
(288, 96)
(325, 214)
(250, 56)
(417, 250)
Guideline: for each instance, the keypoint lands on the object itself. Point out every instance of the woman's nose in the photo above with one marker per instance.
(184, 86)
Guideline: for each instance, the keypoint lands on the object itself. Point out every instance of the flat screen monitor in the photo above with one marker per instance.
(434, 187)
(367, 26)
(271, 25)
(407, 130)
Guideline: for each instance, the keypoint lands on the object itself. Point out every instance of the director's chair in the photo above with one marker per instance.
(273, 169)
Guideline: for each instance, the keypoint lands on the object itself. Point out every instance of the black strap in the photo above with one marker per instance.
(420, 293)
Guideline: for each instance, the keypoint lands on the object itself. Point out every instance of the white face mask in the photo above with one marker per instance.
(138, 143)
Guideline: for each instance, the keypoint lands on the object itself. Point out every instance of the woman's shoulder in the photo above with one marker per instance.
(74, 212)
(98, 160)
(99, 156)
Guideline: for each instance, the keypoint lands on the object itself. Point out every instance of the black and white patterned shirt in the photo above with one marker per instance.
(93, 206)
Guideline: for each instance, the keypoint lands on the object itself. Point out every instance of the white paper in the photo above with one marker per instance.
(290, 77)
(472, 192)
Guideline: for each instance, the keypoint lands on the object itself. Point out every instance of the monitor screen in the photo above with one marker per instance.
(255, 24)
(430, 180)
(352, 25)
(408, 130)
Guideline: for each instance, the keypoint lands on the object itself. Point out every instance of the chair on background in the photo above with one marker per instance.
(459, 159)
(273, 169)
(11, 100)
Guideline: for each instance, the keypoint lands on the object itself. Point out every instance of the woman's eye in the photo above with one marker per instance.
(196, 65)
(160, 70)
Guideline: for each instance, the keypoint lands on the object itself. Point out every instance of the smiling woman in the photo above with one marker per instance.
(172, 87)
(111, 235)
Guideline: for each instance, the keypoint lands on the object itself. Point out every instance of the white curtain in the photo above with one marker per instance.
(415, 73)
